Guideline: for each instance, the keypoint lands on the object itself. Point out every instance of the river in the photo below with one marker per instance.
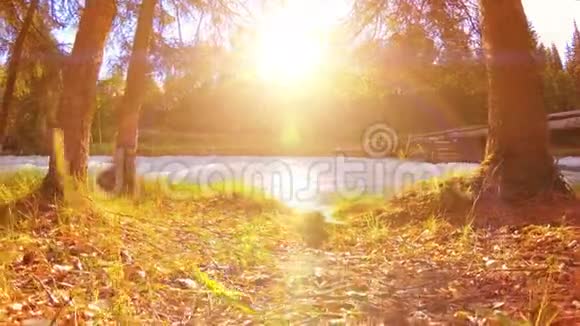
(300, 182)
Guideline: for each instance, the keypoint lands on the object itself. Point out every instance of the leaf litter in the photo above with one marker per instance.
(232, 261)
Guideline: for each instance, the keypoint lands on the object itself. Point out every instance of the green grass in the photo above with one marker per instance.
(18, 184)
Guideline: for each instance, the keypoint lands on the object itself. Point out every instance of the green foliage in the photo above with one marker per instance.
(109, 93)
(426, 74)
(573, 61)
(560, 85)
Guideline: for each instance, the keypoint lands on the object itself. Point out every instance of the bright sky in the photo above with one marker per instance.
(553, 20)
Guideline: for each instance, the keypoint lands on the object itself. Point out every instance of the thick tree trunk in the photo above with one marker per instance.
(13, 66)
(518, 164)
(132, 100)
(77, 102)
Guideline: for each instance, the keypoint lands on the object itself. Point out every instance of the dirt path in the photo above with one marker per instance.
(238, 262)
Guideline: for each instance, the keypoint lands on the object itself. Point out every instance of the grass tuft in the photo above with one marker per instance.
(448, 198)
(18, 184)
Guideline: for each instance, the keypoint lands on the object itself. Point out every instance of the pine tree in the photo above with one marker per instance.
(573, 64)
(13, 69)
(543, 55)
(555, 59)
(571, 51)
(558, 85)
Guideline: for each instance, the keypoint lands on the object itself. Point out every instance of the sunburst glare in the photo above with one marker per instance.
(291, 43)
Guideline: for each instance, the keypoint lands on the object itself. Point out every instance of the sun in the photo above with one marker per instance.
(290, 43)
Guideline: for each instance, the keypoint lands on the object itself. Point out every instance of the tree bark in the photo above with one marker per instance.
(518, 164)
(13, 66)
(131, 103)
(77, 103)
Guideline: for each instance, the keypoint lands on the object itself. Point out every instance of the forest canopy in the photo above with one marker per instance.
(221, 67)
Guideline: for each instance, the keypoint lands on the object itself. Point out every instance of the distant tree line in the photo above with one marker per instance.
(406, 79)
(561, 82)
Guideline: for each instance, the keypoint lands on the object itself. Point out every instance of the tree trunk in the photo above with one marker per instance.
(77, 102)
(132, 100)
(518, 164)
(13, 66)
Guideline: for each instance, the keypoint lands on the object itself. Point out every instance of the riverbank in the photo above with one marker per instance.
(167, 143)
(200, 148)
(240, 259)
(298, 182)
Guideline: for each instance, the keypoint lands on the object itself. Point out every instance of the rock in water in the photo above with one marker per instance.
(106, 179)
(313, 229)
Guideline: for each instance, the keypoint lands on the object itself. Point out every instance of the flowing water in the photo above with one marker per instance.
(300, 182)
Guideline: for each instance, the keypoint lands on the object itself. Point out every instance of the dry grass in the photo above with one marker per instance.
(452, 199)
(160, 260)
(239, 259)
(435, 271)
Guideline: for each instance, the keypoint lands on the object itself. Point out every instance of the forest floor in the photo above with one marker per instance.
(239, 260)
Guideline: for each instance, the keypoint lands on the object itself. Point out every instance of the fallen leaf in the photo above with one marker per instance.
(77, 264)
(356, 294)
(462, 315)
(15, 307)
(497, 305)
(36, 322)
(89, 314)
(62, 268)
(186, 283)
(126, 257)
(489, 262)
(318, 272)
(28, 258)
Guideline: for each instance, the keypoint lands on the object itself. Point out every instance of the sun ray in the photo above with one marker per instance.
(290, 43)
